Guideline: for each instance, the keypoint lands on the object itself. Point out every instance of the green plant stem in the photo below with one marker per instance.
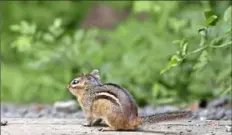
(206, 46)
(219, 46)
(226, 91)
(197, 50)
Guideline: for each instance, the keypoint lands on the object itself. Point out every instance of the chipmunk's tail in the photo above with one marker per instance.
(167, 116)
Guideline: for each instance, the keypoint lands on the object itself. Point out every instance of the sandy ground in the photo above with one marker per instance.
(26, 126)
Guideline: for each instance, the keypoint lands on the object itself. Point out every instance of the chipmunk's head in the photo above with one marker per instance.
(78, 85)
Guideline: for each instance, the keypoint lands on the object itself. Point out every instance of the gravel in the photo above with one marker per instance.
(70, 109)
(218, 102)
(66, 106)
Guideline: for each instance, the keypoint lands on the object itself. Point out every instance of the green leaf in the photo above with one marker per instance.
(164, 70)
(15, 28)
(48, 37)
(155, 90)
(78, 35)
(22, 44)
(180, 42)
(57, 22)
(183, 42)
(176, 41)
(211, 21)
(202, 32)
(175, 60)
(217, 41)
(202, 61)
(210, 18)
(156, 8)
(228, 14)
(208, 14)
(229, 31)
(141, 6)
(184, 49)
(27, 28)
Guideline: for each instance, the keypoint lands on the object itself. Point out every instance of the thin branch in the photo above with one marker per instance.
(219, 46)
(165, 84)
(204, 47)
(197, 50)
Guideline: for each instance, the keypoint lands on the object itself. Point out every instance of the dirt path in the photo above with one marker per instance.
(23, 126)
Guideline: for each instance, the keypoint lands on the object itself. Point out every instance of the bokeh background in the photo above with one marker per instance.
(163, 52)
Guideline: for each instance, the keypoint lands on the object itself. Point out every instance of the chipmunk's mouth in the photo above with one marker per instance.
(69, 87)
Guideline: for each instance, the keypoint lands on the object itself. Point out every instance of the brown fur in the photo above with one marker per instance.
(111, 103)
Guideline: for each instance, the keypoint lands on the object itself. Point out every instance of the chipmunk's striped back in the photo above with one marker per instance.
(108, 96)
(118, 96)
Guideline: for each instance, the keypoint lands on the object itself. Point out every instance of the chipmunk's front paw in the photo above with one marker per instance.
(86, 125)
(106, 129)
(101, 129)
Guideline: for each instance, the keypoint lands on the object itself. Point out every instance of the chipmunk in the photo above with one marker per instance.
(111, 103)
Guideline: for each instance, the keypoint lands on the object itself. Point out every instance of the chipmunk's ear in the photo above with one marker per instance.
(82, 74)
(96, 73)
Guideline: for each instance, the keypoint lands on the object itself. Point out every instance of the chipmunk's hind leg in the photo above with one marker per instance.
(118, 122)
(89, 120)
(97, 121)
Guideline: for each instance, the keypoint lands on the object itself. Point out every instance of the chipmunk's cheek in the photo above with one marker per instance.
(73, 89)
(69, 88)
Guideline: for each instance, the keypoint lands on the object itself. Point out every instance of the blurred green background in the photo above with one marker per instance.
(162, 52)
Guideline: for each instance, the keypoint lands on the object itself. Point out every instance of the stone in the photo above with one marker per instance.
(228, 129)
(218, 102)
(66, 106)
(31, 115)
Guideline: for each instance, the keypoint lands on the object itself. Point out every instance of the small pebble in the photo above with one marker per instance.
(66, 106)
(228, 114)
(228, 128)
(11, 115)
(225, 118)
(163, 109)
(23, 111)
(147, 110)
(188, 130)
(3, 123)
(219, 102)
(202, 118)
(220, 113)
(31, 115)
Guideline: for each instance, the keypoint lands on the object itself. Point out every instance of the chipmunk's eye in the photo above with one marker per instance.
(75, 81)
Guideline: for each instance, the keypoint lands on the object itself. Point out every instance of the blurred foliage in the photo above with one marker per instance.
(179, 54)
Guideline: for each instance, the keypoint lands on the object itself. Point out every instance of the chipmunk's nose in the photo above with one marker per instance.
(68, 86)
